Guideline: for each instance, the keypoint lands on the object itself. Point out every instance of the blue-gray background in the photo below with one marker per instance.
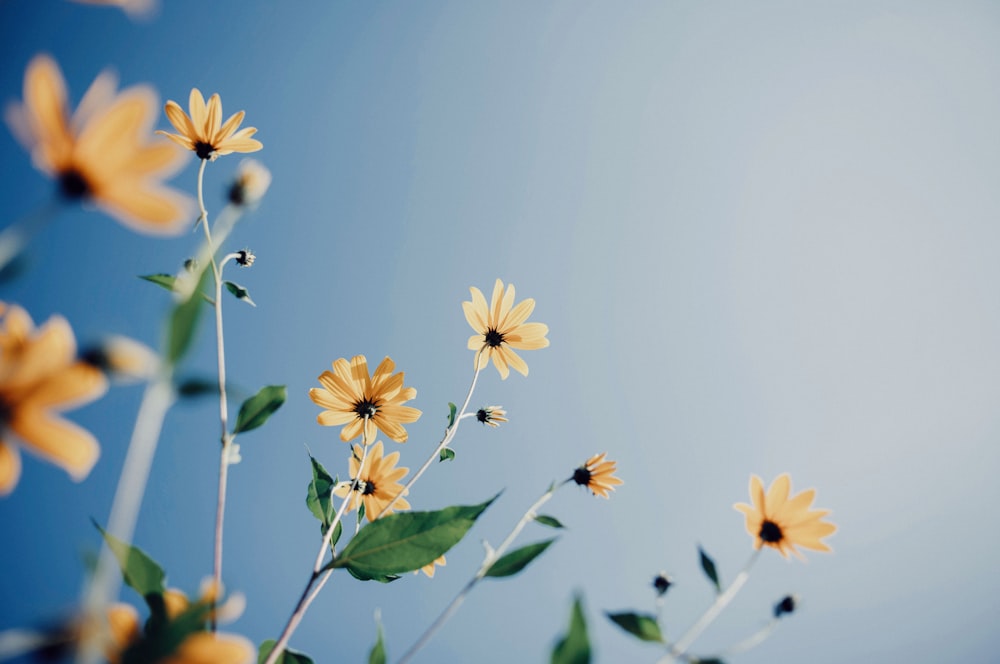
(764, 236)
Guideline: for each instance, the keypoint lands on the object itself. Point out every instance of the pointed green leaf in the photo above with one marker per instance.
(287, 657)
(708, 565)
(140, 572)
(240, 292)
(452, 411)
(574, 648)
(338, 530)
(255, 410)
(406, 541)
(518, 559)
(639, 625)
(168, 281)
(377, 654)
(196, 387)
(447, 454)
(183, 323)
(318, 498)
(549, 521)
(361, 513)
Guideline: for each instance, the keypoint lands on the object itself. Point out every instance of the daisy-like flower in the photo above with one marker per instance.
(597, 475)
(123, 359)
(350, 397)
(491, 415)
(784, 523)
(501, 327)
(39, 377)
(204, 132)
(428, 569)
(250, 184)
(103, 154)
(377, 484)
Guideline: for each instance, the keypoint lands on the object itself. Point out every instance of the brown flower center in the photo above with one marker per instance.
(204, 150)
(366, 408)
(582, 476)
(366, 488)
(770, 532)
(72, 185)
(493, 338)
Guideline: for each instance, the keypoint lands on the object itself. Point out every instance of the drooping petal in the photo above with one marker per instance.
(68, 446)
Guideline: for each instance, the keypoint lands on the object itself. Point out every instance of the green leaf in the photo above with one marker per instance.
(639, 625)
(168, 281)
(549, 521)
(377, 654)
(452, 411)
(183, 323)
(574, 648)
(255, 410)
(447, 454)
(287, 657)
(338, 530)
(140, 572)
(196, 387)
(710, 660)
(406, 541)
(518, 559)
(318, 498)
(708, 565)
(361, 513)
(240, 292)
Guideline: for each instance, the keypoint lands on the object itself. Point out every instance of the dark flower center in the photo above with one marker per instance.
(6, 411)
(365, 488)
(582, 476)
(482, 415)
(493, 338)
(770, 532)
(72, 185)
(366, 408)
(204, 150)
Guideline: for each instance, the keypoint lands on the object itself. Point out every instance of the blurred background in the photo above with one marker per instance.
(763, 235)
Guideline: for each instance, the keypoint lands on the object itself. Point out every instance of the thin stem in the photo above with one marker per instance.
(449, 435)
(753, 640)
(491, 558)
(14, 238)
(106, 581)
(720, 603)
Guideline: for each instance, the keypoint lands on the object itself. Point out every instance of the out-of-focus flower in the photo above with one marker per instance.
(39, 377)
(428, 569)
(123, 359)
(662, 584)
(500, 327)
(103, 154)
(783, 523)
(250, 184)
(204, 132)
(785, 606)
(491, 415)
(134, 8)
(350, 397)
(377, 484)
(597, 475)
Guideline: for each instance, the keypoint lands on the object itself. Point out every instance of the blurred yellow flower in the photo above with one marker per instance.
(39, 377)
(204, 132)
(378, 483)
(134, 8)
(597, 475)
(350, 396)
(103, 153)
(250, 184)
(428, 569)
(784, 523)
(501, 327)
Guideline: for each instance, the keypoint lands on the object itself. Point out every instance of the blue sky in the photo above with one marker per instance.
(764, 240)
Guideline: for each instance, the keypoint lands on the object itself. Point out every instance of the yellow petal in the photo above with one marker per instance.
(10, 467)
(199, 114)
(66, 445)
(67, 388)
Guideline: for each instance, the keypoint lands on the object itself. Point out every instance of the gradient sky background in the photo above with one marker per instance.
(765, 239)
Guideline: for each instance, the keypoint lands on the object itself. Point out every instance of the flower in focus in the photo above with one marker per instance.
(491, 415)
(245, 258)
(134, 8)
(122, 359)
(39, 377)
(784, 523)
(103, 153)
(250, 184)
(377, 484)
(428, 569)
(597, 475)
(204, 132)
(501, 327)
(351, 397)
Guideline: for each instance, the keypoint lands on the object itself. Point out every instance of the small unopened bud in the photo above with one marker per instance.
(662, 584)
(251, 183)
(245, 258)
(786, 605)
(124, 360)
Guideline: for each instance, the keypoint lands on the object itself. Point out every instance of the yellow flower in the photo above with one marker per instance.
(39, 377)
(784, 523)
(597, 475)
(351, 397)
(103, 153)
(501, 327)
(250, 184)
(491, 415)
(428, 569)
(378, 483)
(204, 132)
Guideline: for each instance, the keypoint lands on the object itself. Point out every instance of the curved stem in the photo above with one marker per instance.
(753, 640)
(488, 561)
(706, 619)
(14, 238)
(449, 434)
